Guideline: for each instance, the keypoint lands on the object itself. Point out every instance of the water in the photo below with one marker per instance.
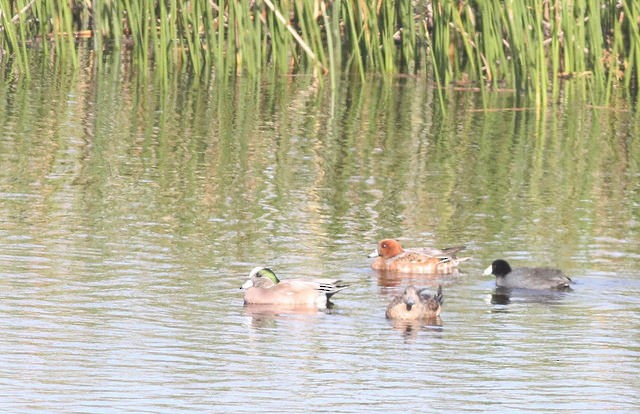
(126, 233)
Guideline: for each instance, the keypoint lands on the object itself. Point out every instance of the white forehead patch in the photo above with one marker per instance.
(255, 270)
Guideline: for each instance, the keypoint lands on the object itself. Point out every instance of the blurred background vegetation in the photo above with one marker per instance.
(528, 47)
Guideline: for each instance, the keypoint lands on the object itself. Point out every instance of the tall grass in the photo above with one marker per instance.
(532, 46)
(526, 46)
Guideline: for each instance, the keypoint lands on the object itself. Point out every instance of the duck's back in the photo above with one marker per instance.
(411, 261)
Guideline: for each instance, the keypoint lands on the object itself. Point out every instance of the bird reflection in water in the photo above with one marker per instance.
(410, 329)
(506, 296)
(263, 316)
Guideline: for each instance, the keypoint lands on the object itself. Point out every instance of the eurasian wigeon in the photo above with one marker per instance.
(264, 288)
(527, 277)
(415, 304)
(392, 257)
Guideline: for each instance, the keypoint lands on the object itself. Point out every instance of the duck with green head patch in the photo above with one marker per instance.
(264, 288)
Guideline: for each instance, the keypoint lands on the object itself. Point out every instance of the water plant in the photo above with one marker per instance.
(528, 47)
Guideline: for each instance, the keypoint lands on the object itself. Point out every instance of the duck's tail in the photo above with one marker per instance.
(332, 287)
(438, 296)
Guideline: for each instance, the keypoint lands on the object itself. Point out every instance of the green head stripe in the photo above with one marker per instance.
(266, 273)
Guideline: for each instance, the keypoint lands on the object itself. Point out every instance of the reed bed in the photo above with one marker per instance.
(527, 46)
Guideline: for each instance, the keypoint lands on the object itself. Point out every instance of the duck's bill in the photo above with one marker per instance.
(247, 284)
(488, 271)
(374, 253)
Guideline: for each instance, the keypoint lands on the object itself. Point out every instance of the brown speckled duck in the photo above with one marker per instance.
(392, 257)
(415, 304)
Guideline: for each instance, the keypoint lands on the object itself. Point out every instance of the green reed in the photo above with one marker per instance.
(531, 47)
(528, 47)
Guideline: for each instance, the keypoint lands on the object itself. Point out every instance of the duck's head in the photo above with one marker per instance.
(410, 297)
(261, 277)
(387, 248)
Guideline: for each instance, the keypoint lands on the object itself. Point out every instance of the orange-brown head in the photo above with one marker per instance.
(387, 248)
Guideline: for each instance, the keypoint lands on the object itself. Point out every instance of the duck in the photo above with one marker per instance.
(391, 256)
(540, 278)
(415, 304)
(264, 288)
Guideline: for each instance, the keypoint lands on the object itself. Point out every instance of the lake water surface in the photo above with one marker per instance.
(131, 213)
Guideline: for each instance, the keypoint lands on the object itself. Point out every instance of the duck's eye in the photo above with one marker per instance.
(385, 245)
